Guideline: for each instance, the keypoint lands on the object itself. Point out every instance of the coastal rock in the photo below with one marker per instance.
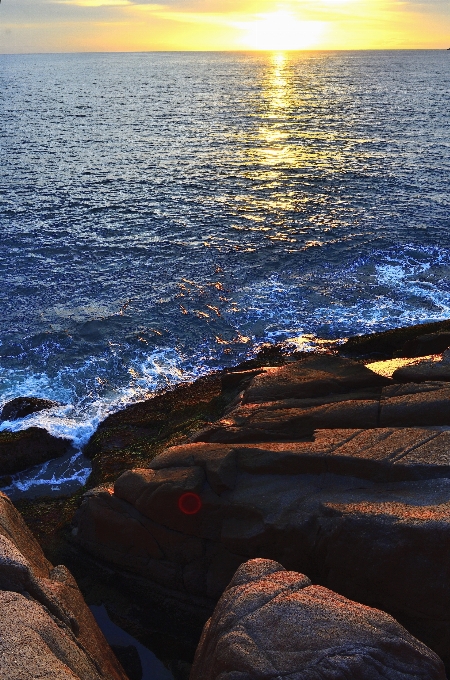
(425, 371)
(365, 512)
(272, 623)
(314, 376)
(293, 419)
(389, 343)
(21, 450)
(143, 428)
(430, 343)
(24, 406)
(46, 629)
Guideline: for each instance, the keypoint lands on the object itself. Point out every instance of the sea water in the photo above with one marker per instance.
(164, 214)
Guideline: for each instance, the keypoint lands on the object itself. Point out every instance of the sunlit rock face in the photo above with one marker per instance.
(272, 623)
(46, 629)
(366, 512)
(358, 498)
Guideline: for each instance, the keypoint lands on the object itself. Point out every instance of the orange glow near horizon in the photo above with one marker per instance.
(135, 25)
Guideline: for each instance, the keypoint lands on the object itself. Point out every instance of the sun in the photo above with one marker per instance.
(283, 31)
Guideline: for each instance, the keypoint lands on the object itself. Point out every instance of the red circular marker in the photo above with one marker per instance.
(189, 503)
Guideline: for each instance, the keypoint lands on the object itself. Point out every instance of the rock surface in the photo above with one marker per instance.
(315, 376)
(271, 623)
(365, 512)
(349, 486)
(292, 419)
(423, 371)
(430, 343)
(46, 629)
(24, 406)
(392, 342)
(20, 450)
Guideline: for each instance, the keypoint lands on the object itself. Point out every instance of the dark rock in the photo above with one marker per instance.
(155, 411)
(315, 376)
(232, 379)
(387, 343)
(365, 512)
(266, 422)
(180, 669)
(46, 628)
(272, 623)
(24, 406)
(20, 450)
(423, 345)
(129, 659)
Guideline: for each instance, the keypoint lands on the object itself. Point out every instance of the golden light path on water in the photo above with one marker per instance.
(277, 146)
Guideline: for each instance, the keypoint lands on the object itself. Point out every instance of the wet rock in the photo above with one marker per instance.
(425, 371)
(135, 435)
(314, 376)
(20, 450)
(388, 343)
(24, 406)
(365, 512)
(46, 629)
(423, 345)
(272, 623)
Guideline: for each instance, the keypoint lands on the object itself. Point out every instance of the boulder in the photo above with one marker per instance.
(24, 406)
(46, 629)
(430, 343)
(315, 376)
(272, 623)
(365, 512)
(20, 450)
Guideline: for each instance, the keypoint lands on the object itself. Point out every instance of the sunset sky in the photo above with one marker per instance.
(137, 25)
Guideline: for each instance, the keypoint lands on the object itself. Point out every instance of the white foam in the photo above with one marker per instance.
(59, 476)
(381, 291)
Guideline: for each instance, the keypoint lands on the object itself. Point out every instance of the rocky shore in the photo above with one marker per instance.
(333, 466)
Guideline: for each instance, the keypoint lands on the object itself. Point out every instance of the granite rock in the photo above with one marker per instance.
(272, 623)
(394, 405)
(314, 376)
(425, 371)
(365, 512)
(46, 629)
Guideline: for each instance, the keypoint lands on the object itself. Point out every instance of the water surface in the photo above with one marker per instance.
(163, 214)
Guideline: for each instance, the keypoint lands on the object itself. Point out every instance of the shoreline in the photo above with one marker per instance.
(68, 473)
(195, 412)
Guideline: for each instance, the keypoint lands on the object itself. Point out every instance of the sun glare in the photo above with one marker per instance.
(283, 31)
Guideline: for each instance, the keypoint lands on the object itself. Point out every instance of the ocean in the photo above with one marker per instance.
(164, 214)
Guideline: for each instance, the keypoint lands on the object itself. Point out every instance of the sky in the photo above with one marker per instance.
(28, 26)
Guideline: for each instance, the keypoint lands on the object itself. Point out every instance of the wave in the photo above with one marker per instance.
(381, 290)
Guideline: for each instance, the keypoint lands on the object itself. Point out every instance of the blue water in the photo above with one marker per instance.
(163, 214)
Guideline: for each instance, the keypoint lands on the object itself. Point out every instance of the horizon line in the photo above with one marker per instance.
(234, 51)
